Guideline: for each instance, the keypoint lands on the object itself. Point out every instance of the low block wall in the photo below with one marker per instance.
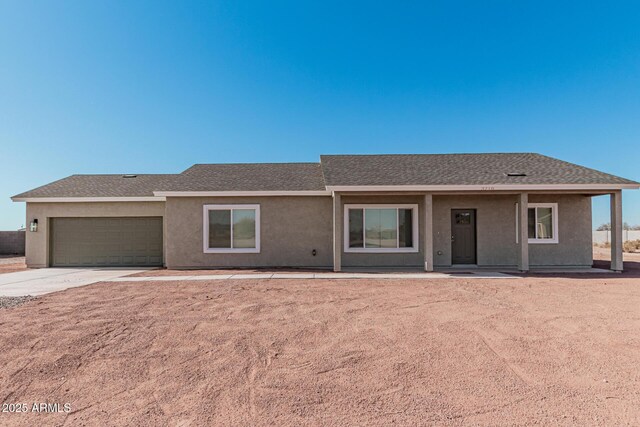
(12, 242)
(604, 236)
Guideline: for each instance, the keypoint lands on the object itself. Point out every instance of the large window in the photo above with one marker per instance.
(231, 228)
(381, 228)
(542, 222)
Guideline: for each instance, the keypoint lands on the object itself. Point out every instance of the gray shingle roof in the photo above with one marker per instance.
(457, 169)
(337, 170)
(249, 177)
(100, 186)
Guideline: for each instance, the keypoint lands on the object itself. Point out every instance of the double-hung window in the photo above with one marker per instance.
(542, 222)
(231, 228)
(381, 228)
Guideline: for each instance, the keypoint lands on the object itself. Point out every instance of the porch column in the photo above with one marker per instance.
(523, 233)
(337, 233)
(616, 231)
(428, 232)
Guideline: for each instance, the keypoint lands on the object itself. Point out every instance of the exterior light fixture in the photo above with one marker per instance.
(34, 225)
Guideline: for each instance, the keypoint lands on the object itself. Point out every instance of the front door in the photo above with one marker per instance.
(463, 236)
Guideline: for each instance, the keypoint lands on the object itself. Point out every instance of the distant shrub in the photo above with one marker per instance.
(631, 246)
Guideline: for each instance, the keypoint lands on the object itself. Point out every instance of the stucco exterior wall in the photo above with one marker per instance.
(37, 243)
(496, 230)
(574, 246)
(414, 259)
(291, 228)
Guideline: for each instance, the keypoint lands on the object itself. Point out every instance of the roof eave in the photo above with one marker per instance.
(241, 193)
(485, 187)
(87, 199)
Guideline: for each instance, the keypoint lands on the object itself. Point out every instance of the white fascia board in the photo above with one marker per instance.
(480, 188)
(86, 199)
(239, 193)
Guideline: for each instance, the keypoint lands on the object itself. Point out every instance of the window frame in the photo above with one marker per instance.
(554, 221)
(205, 229)
(415, 232)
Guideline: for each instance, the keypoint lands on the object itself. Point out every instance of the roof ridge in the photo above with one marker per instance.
(429, 154)
(256, 163)
(121, 174)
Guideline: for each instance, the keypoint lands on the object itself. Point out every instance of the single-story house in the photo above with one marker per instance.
(503, 210)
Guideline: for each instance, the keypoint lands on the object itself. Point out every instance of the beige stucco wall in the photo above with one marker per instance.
(574, 246)
(290, 228)
(414, 259)
(496, 230)
(37, 243)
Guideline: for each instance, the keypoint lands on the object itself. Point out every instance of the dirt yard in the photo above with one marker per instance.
(536, 350)
(11, 264)
(604, 254)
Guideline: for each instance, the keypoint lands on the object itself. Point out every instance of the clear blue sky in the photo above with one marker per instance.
(153, 87)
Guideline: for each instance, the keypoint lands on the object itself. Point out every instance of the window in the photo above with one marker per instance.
(381, 228)
(231, 228)
(463, 218)
(542, 222)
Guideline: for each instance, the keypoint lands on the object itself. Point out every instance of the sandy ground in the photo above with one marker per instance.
(11, 264)
(538, 350)
(605, 254)
(162, 272)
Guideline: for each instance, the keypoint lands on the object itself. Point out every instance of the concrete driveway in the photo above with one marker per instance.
(46, 280)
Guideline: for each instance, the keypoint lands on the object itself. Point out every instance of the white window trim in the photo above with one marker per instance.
(205, 230)
(554, 214)
(414, 225)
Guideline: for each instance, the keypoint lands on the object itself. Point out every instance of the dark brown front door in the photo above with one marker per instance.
(463, 236)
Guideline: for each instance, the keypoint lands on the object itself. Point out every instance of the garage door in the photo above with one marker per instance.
(109, 242)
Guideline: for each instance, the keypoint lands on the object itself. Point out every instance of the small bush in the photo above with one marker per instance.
(602, 245)
(631, 246)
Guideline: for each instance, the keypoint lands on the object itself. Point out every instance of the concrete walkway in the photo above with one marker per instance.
(245, 276)
(46, 280)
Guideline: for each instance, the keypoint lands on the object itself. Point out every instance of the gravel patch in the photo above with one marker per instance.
(10, 302)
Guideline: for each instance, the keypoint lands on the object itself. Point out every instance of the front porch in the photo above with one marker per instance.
(462, 232)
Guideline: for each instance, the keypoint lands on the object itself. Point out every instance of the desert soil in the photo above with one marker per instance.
(11, 264)
(533, 350)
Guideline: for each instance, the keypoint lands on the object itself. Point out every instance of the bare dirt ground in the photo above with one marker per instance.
(534, 350)
(161, 272)
(12, 263)
(604, 254)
